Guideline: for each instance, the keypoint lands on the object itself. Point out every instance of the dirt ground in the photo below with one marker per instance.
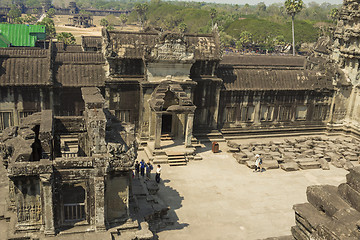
(217, 198)
(61, 20)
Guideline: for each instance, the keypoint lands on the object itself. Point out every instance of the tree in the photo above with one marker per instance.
(66, 38)
(30, 19)
(334, 14)
(293, 7)
(49, 26)
(141, 9)
(104, 22)
(261, 7)
(14, 13)
(212, 15)
(123, 19)
(246, 8)
(50, 13)
(182, 27)
(245, 40)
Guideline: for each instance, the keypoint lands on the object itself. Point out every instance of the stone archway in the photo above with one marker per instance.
(168, 101)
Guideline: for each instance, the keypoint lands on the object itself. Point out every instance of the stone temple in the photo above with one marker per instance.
(72, 116)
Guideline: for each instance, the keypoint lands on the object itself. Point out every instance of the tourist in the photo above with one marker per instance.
(258, 163)
(137, 169)
(149, 167)
(142, 167)
(158, 172)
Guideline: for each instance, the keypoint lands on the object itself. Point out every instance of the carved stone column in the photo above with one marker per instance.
(189, 129)
(217, 102)
(99, 203)
(48, 207)
(257, 110)
(158, 122)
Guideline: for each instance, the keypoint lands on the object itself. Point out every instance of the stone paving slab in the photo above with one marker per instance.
(217, 198)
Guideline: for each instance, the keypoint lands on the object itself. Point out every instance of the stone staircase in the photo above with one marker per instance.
(209, 136)
(176, 158)
(69, 145)
(166, 137)
(331, 212)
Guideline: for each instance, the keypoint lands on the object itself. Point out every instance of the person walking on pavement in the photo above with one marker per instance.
(137, 169)
(142, 167)
(158, 172)
(149, 167)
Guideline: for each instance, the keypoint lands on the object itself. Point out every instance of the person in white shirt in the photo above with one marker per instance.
(158, 172)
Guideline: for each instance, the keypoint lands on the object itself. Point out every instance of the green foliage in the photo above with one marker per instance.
(123, 19)
(50, 13)
(141, 9)
(293, 7)
(30, 19)
(265, 33)
(49, 26)
(245, 40)
(334, 14)
(66, 38)
(110, 27)
(14, 13)
(182, 27)
(104, 22)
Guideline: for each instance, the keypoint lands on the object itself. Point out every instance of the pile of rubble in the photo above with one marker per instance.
(331, 213)
(299, 153)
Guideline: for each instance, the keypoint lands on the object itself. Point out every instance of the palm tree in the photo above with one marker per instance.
(212, 15)
(141, 9)
(292, 8)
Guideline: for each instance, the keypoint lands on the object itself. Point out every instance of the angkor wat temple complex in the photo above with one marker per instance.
(72, 113)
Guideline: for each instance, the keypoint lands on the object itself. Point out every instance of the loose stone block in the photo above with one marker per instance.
(324, 164)
(290, 166)
(350, 195)
(309, 165)
(270, 164)
(326, 198)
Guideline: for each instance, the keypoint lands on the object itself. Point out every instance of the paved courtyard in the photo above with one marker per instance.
(217, 198)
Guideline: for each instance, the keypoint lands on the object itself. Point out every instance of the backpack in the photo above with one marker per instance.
(260, 160)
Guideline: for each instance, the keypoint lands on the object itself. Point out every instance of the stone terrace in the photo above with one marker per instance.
(217, 198)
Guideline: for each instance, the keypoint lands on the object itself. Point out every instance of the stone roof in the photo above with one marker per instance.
(24, 67)
(261, 72)
(263, 60)
(91, 41)
(265, 79)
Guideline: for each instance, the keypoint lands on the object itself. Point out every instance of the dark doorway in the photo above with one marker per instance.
(166, 123)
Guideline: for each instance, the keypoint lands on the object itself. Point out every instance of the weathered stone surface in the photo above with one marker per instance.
(348, 165)
(309, 165)
(270, 164)
(353, 178)
(233, 144)
(324, 164)
(241, 158)
(309, 216)
(250, 164)
(290, 166)
(326, 198)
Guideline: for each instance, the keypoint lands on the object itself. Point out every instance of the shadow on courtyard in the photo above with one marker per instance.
(171, 198)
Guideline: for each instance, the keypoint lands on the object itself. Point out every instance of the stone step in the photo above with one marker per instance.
(326, 198)
(176, 160)
(176, 157)
(160, 159)
(177, 164)
(170, 154)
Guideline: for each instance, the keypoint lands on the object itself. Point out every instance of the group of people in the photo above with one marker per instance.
(143, 168)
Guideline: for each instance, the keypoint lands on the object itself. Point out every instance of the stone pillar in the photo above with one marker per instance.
(189, 129)
(158, 122)
(48, 207)
(257, 111)
(99, 203)
(42, 103)
(51, 99)
(217, 102)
